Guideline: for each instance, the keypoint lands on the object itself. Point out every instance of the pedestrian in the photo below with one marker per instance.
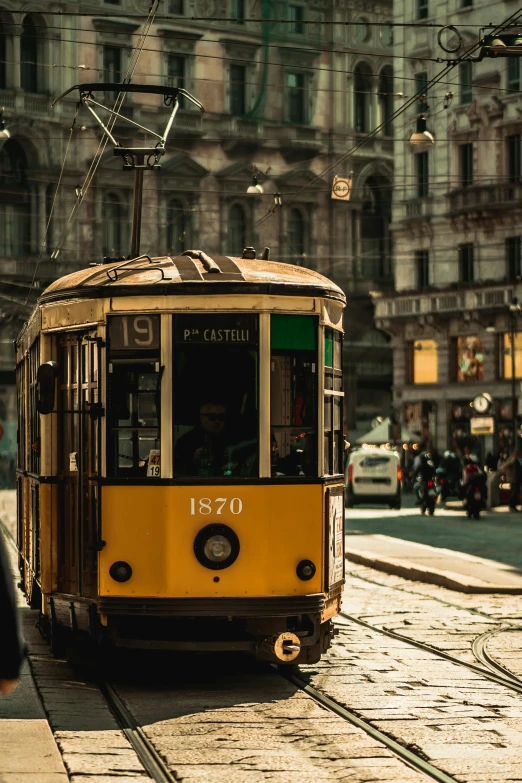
(11, 647)
(513, 472)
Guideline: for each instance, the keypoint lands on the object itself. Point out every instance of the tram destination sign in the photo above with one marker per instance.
(216, 329)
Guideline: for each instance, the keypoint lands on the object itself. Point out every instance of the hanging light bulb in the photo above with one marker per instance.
(254, 187)
(4, 133)
(422, 139)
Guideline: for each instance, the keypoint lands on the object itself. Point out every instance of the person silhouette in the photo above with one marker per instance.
(200, 452)
(11, 647)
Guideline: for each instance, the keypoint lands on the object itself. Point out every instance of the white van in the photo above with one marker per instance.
(373, 475)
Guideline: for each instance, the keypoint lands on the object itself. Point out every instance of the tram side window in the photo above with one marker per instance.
(133, 397)
(293, 395)
(34, 416)
(333, 403)
(216, 395)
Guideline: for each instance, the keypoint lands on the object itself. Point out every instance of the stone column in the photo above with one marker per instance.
(42, 216)
(16, 59)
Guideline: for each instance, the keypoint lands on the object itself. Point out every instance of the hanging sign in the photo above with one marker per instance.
(482, 425)
(341, 188)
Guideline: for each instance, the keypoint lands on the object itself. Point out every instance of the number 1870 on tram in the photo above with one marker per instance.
(180, 464)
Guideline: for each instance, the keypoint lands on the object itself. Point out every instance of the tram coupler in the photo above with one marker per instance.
(286, 646)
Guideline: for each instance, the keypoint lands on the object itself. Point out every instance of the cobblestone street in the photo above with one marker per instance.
(213, 719)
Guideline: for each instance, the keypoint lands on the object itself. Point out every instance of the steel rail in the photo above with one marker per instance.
(142, 746)
(507, 680)
(479, 648)
(411, 759)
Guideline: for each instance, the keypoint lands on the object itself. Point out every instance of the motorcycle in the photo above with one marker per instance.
(474, 499)
(448, 483)
(428, 497)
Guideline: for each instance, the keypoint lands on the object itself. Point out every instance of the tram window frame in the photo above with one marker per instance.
(231, 398)
(333, 403)
(133, 353)
(294, 349)
(34, 416)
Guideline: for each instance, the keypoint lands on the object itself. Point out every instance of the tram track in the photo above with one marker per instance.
(143, 747)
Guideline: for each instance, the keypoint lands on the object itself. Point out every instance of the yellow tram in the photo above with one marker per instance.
(180, 465)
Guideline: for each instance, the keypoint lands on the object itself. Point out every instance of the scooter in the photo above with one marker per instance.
(474, 499)
(428, 497)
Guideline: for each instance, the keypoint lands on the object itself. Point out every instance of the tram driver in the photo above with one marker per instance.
(201, 451)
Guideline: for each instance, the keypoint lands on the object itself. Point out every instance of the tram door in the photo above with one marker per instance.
(79, 423)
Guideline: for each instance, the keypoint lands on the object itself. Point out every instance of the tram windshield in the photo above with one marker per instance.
(216, 403)
(293, 395)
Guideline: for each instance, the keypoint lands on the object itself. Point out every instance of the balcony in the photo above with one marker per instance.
(297, 142)
(482, 297)
(415, 209)
(485, 198)
(239, 134)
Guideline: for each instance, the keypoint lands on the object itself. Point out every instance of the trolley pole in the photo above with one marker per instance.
(137, 207)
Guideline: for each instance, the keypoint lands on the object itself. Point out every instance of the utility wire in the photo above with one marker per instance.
(395, 115)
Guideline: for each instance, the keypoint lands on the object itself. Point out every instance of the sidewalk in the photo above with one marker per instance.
(28, 751)
(423, 563)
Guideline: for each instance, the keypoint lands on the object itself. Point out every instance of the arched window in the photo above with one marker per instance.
(3, 53)
(296, 236)
(114, 226)
(386, 99)
(375, 218)
(362, 88)
(15, 205)
(236, 230)
(177, 225)
(29, 56)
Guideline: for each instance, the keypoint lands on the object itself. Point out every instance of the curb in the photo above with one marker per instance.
(448, 579)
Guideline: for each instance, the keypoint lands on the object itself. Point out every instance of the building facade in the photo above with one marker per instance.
(456, 232)
(287, 88)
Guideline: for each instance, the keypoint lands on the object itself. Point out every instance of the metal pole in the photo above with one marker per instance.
(136, 208)
(514, 401)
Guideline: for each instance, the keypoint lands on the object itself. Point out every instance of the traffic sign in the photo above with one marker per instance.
(341, 188)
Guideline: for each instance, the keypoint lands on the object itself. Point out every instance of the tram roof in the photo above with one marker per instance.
(186, 274)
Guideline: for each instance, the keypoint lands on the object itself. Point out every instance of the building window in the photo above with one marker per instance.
(29, 56)
(296, 91)
(422, 9)
(176, 75)
(513, 258)
(176, 7)
(465, 79)
(466, 270)
(296, 16)
(112, 65)
(424, 362)
(507, 355)
(3, 50)
(466, 165)
(237, 11)
(296, 236)
(362, 97)
(470, 359)
(421, 87)
(114, 226)
(513, 157)
(513, 73)
(237, 89)
(386, 99)
(422, 269)
(15, 213)
(177, 225)
(466, 3)
(236, 230)
(422, 174)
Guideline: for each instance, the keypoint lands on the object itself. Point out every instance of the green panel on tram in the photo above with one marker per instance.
(293, 331)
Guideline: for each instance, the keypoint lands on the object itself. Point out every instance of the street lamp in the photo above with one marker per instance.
(422, 140)
(4, 133)
(514, 310)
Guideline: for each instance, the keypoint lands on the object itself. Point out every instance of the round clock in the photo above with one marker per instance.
(482, 403)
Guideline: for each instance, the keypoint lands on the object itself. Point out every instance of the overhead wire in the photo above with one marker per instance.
(435, 80)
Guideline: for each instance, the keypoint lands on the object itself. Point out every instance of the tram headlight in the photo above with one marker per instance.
(305, 570)
(120, 571)
(216, 546)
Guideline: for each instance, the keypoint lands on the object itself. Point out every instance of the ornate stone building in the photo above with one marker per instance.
(457, 238)
(287, 87)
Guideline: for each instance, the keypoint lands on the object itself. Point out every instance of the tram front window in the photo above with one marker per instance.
(134, 397)
(293, 395)
(216, 410)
